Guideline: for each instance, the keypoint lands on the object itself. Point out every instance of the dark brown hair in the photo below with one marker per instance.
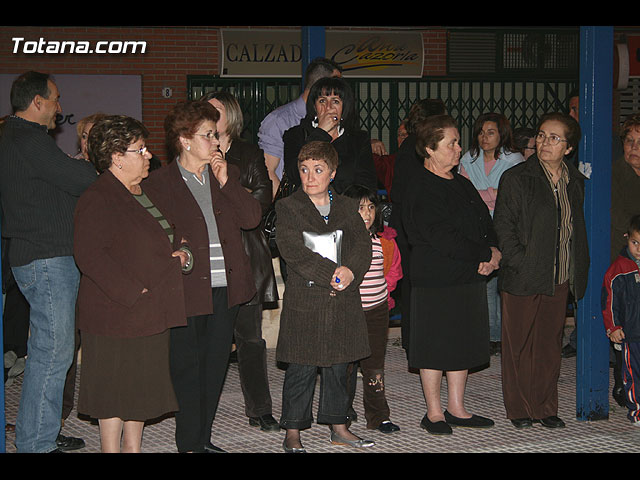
(183, 120)
(113, 134)
(318, 150)
(430, 131)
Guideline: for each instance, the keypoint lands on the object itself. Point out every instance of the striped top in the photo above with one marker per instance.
(373, 289)
(155, 213)
(565, 224)
(199, 188)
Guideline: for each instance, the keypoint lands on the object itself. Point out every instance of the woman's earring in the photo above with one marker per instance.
(188, 147)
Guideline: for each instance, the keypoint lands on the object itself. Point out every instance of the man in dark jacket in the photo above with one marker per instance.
(39, 187)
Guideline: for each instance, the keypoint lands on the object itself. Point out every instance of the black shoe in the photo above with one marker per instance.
(388, 427)
(522, 422)
(476, 421)
(233, 357)
(495, 348)
(550, 422)
(568, 351)
(66, 444)
(211, 448)
(266, 423)
(618, 395)
(436, 428)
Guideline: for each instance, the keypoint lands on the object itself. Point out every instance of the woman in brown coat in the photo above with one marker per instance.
(130, 291)
(208, 203)
(322, 322)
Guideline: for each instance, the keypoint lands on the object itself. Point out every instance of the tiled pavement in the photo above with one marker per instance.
(232, 432)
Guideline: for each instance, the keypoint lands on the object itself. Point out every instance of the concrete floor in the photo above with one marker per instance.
(232, 432)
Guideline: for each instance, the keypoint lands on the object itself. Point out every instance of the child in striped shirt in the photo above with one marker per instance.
(375, 289)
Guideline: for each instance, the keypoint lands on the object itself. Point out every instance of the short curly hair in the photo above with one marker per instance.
(113, 134)
(183, 120)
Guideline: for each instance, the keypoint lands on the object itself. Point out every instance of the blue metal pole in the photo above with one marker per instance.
(313, 45)
(596, 88)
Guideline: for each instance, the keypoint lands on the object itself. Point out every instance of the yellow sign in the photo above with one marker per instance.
(278, 53)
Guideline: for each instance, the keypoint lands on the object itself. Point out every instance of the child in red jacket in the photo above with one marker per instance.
(375, 289)
(621, 314)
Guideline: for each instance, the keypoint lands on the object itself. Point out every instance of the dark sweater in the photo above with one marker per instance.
(39, 188)
(449, 229)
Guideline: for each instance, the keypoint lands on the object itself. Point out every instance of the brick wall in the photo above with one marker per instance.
(172, 53)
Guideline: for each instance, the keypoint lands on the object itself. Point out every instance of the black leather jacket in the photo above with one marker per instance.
(255, 178)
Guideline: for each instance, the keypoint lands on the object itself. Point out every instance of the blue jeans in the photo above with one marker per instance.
(495, 316)
(298, 391)
(50, 286)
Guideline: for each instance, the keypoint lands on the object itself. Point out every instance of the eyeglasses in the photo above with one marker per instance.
(141, 151)
(209, 135)
(553, 139)
(631, 143)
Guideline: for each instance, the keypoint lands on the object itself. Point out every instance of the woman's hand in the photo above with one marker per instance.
(184, 256)
(219, 168)
(496, 256)
(328, 121)
(342, 278)
(486, 268)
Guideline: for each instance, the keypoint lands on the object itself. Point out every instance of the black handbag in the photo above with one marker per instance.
(284, 190)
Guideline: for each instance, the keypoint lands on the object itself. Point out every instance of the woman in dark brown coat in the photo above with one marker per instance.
(322, 322)
(207, 202)
(130, 291)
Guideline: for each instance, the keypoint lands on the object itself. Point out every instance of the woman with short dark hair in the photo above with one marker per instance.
(207, 201)
(541, 230)
(332, 117)
(130, 291)
(453, 249)
(322, 323)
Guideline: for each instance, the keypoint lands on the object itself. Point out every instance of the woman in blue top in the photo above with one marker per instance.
(492, 152)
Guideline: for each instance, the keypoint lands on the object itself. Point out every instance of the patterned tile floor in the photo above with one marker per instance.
(232, 432)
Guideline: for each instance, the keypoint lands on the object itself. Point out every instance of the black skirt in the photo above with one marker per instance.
(126, 378)
(449, 327)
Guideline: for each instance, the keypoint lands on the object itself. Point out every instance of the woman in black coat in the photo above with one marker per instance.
(540, 224)
(251, 347)
(331, 117)
(453, 250)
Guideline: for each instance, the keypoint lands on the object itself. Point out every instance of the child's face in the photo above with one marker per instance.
(633, 242)
(367, 211)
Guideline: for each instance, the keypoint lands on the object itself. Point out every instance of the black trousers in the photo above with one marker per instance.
(199, 356)
(252, 361)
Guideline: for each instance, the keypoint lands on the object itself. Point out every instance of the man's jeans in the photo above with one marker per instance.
(50, 286)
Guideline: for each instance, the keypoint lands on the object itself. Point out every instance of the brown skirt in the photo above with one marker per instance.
(127, 378)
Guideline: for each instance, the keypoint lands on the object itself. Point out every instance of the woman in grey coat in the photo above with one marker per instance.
(322, 324)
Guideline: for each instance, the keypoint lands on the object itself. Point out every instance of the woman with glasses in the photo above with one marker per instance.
(492, 153)
(208, 203)
(131, 259)
(541, 231)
